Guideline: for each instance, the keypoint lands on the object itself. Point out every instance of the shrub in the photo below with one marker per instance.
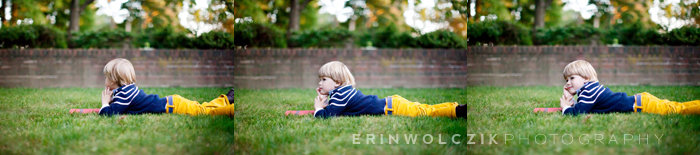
(570, 35)
(633, 34)
(214, 40)
(388, 37)
(686, 35)
(164, 38)
(259, 35)
(336, 37)
(113, 38)
(498, 33)
(441, 39)
(32, 36)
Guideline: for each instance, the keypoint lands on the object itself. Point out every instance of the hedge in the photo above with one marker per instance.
(509, 33)
(46, 36)
(32, 36)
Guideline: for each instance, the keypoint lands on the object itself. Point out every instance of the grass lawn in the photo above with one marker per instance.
(262, 128)
(36, 121)
(508, 110)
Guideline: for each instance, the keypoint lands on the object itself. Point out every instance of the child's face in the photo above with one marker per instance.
(327, 84)
(111, 84)
(574, 82)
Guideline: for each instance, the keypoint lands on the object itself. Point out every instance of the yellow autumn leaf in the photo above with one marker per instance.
(669, 11)
(197, 15)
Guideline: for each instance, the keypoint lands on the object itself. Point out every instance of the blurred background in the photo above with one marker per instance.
(66, 43)
(583, 22)
(124, 24)
(351, 23)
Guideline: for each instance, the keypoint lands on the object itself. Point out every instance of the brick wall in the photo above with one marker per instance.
(391, 68)
(543, 65)
(298, 68)
(83, 68)
(497, 66)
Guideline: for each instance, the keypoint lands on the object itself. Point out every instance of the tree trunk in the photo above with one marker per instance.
(539, 13)
(294, 15)
(112, 23)
(75, 10)
(230, 7)
(2, 12)
(596, 21)
(351, 25)
(539, 19)
(469, 9)
(74, 24)
(127, 26)
(477, 8)
(13, 14)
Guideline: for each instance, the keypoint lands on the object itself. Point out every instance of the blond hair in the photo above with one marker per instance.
(338, 72)
(581, 68)
(120, 71)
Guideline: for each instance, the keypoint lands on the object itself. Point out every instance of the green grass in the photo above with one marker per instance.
(262, 128)
(36, 121)
(508, 110)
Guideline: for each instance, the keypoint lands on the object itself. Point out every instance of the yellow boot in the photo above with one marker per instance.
(403, 107)
(444, 109)
(218, 106)
(690, 107)
(652, 104)
(181, 105)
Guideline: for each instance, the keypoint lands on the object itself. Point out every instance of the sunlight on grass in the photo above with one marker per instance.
(506, 112)
(262, 128)
(36, 121)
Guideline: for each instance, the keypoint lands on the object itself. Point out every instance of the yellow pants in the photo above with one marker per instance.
(651, 104)
(397, 105)
(180, 105)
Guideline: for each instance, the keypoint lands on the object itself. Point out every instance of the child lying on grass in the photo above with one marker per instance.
(581, 79)
(336, 96)
(122, 96)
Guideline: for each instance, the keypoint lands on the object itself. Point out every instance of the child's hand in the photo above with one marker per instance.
(320, 102)
(566, 100)
(320, 91)
(106, 96)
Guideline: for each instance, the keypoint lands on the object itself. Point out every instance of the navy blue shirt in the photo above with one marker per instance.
(347, 101)
(595, 98)
(130, 99)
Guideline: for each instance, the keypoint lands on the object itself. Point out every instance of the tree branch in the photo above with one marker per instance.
(303, 5)
(547, 3)
(229, 5)
(82, 7)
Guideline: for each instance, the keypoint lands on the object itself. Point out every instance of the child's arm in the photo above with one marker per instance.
(327, 106)
(320, 101)
(566, 100)
(582, 106)
(111, 106)
(106, 97)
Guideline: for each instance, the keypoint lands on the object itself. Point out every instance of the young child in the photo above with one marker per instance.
(338, 97)
(581, 79)
(122, 96)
